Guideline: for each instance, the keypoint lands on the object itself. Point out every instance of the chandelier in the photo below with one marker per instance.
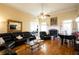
(43, 14)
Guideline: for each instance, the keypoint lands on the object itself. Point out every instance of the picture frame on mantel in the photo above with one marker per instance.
(14, 26)
(53, 21)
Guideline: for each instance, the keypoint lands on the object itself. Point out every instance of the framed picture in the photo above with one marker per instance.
(53, 21)
(14, 26)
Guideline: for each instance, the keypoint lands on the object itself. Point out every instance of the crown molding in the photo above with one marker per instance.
(64, 11)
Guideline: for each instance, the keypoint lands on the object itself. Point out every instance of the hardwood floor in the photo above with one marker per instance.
(50, 47)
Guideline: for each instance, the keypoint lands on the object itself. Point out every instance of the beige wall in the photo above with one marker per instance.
(7, 12)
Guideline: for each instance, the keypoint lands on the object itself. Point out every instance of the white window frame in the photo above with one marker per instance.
(65, 27)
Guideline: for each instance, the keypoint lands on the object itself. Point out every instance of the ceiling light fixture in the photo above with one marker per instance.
(43, 14)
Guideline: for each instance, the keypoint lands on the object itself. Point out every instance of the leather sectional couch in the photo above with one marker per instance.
(11, 41)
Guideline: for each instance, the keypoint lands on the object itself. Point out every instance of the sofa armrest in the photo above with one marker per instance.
(10, 44)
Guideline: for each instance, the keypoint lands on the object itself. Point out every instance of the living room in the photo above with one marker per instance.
(16, 21)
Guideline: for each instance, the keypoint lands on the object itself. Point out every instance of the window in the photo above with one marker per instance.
(44, 26)
(33, 26)
(67, 27)
(77, 21)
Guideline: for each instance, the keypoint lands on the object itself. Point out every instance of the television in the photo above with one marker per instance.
(13, 26)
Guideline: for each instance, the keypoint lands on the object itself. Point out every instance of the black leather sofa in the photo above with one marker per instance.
(44, 35)
(11, 41)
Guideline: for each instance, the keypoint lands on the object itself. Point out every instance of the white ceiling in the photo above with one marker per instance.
(36, 9)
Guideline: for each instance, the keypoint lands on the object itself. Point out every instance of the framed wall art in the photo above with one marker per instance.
(14, 26)
(53, 21)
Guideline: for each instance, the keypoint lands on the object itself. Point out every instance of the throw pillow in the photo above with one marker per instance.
(1, 41)
(19, 37)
